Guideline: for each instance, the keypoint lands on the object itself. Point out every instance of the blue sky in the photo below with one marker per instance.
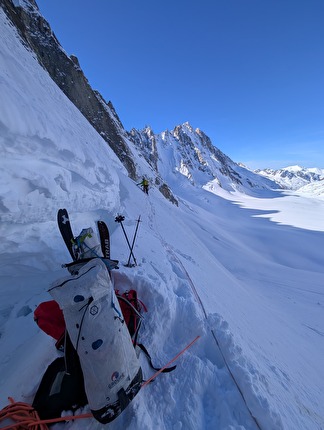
(249, 73)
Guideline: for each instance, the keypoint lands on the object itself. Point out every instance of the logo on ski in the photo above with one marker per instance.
(64, 219)
(106, 246)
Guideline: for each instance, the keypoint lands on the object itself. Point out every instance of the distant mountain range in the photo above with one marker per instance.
(169, 158)
(297, 178)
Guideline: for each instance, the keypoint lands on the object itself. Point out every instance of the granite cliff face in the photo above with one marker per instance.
(67, 74)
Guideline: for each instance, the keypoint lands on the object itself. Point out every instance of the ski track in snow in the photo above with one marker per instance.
(215, 356)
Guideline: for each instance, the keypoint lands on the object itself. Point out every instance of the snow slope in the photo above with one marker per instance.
(245, 274)
(313, 189)
(294, 177)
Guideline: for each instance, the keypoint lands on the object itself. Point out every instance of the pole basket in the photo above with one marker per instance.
(119, 218)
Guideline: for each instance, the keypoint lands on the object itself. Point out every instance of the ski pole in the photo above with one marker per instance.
(131, 250)
(120, 219)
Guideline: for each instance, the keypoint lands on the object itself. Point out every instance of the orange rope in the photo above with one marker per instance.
(24, 417)
(57, 420)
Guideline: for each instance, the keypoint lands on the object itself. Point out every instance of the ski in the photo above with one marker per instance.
(104, 238)
(64, 226)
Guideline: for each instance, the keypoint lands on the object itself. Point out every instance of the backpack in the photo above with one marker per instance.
(62, 386)
(94, 321)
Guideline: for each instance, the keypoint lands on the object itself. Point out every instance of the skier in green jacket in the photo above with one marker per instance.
(144, 184)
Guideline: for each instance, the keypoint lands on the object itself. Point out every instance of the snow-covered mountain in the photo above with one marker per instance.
(244, 273)
(294, 177)
(187, 154)
(183, 152)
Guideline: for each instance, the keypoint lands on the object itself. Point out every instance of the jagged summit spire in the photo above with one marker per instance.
(185, 126)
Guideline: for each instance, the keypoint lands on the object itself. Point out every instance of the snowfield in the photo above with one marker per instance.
(246, 274)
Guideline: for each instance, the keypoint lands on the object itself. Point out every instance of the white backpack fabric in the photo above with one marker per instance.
(94, 321)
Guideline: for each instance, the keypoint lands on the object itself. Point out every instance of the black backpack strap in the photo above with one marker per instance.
(168, 369)
(123, 398)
